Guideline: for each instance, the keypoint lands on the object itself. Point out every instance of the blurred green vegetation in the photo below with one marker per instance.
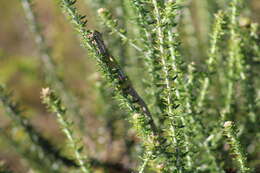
(21, 71)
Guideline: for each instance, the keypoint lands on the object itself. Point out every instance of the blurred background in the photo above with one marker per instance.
(21, 71)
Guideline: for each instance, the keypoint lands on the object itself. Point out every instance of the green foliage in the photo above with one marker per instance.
(237, 151)
(180, 90)
(44, 148)
(106, 16)
(53, 103)
(51, 76)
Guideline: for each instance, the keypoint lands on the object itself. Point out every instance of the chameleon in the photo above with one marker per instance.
(124, 83)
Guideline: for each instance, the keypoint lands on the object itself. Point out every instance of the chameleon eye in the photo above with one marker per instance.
(121, 75)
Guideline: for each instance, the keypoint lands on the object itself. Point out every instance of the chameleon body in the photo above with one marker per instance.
(123, 84)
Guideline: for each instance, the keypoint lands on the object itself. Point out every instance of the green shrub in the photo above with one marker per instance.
(191, 99)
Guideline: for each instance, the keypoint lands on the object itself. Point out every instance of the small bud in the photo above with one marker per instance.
(45, 92)
(101, 10)
(160, 166)
(244, 22)
(136, 116)
(228, 124)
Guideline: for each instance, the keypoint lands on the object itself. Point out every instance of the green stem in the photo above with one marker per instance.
(55, 105)
(213, 53)
(235, 146)
(51, 75)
